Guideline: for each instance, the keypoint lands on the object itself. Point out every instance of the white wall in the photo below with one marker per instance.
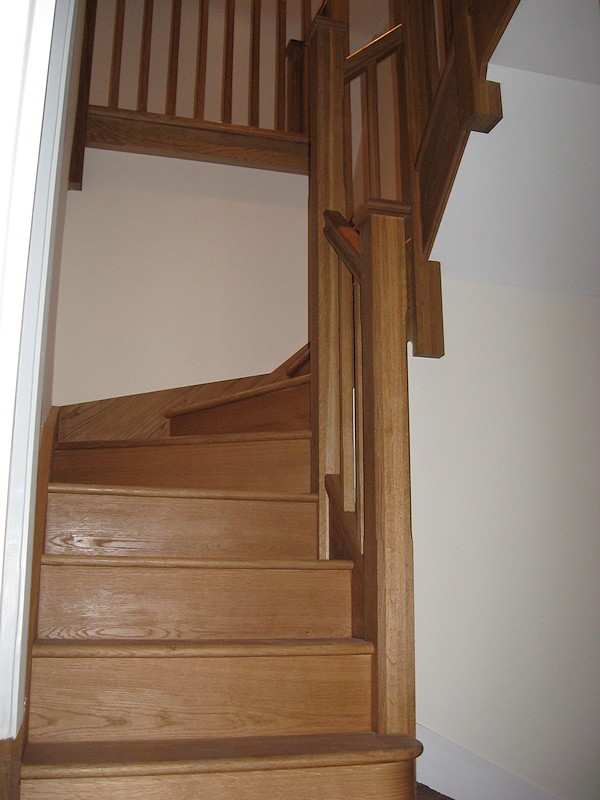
(506, 455)
(176, 272)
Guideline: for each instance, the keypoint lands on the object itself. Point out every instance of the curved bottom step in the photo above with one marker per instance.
(330, 767)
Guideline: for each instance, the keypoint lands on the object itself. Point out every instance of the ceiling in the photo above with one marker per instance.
(554, 37)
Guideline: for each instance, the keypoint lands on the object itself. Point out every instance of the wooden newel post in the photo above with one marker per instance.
(327, 42)
(388, 554)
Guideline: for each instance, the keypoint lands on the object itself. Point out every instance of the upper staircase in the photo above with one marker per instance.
(189, 643)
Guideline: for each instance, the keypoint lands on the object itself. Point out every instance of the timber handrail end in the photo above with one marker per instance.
(344, 239)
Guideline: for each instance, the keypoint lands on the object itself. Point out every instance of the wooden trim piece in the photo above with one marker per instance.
(254, 67)
(219, 438)
(83, 98)
(281, 648)
(201, 54)
(156, 134)
(489, 19)
(227, 82)
(44, 472)
(84, 759)
(201, 494)
(427, 309)
(117, 54)
(320, 565)
(295, 365)
(144, 75)
(344, 238)
(373, 52)
(173, 69)
(259, 391)
(388, 564)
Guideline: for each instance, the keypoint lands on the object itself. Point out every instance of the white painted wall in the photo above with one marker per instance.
(506, 459)
(177, 272)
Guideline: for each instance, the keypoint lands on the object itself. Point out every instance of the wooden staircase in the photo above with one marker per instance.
(188, 641)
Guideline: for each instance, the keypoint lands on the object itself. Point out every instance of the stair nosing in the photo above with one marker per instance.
(245, 394)
(218, 755)
(188, 494)
(238, 648)
(214, 438)
(155, 562)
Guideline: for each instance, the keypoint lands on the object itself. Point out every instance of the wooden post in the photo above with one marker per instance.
(388, 558)
(326, 191)
(83, 98)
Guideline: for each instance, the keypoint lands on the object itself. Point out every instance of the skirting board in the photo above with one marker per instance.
(452, 770)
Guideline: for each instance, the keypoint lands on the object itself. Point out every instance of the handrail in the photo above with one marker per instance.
(377, 50)
(345, 240)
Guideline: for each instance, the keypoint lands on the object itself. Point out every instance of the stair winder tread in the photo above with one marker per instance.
(108, 759)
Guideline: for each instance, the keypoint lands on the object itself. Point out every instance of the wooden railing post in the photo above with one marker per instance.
(326, 43)
(388, 559)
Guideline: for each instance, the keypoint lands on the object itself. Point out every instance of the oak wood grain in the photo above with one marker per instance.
(124, 522)
(361, 782)
(116, 699)
(180, 137)
(163, 601)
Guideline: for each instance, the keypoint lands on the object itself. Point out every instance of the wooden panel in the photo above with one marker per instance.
(389, 621)
(162, 602)
(374, 782)
(277, 465)
(285, 409)
(11, 752)
(113, 699)
(194, 527)
(155, 134)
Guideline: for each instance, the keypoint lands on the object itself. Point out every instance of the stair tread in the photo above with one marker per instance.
(205, 494)
(246, 394)
(237, 648)
(217, 438)
(87, 759)
(71, 560)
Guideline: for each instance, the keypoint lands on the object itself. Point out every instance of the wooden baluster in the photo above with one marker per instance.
(227, 90)
(431, 49)
(295, 120)
(441, 32)
(346, 344)
(117, 53)
(326, 191)
(388, 542)
(171, 101)
(142, 101)
(254, 70)
(83, 98)
(359, 418)
(370, 122)
(306, 17)
(280, 65)
(200, 94)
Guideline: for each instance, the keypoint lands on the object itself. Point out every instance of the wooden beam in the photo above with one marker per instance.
(388, 563)
(326, 191)
(177, 137)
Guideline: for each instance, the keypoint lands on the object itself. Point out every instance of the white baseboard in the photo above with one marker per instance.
(452, 770)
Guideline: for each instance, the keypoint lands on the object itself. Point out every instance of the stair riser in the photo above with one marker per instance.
(270, 466)
(372, 782)
(284, 410)
(180, 527)
(116, 699)
(83, 602)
